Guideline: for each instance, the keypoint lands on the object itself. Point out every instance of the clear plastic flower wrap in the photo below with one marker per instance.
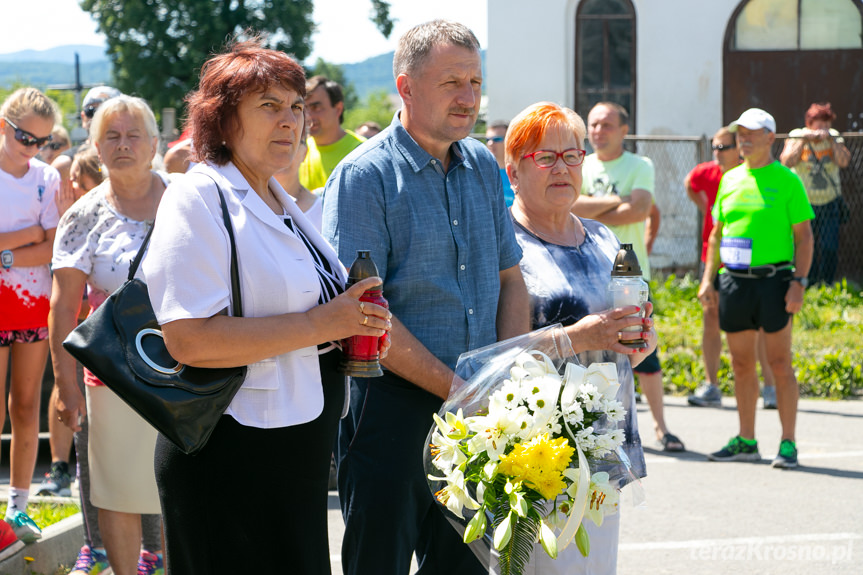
(526, 447)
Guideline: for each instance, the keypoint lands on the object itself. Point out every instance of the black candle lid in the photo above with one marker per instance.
(626, 263)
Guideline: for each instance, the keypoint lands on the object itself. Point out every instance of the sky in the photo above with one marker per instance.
(344, 32)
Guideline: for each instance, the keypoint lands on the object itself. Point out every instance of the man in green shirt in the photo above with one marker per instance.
(617, 190)
(763, 238)
(328, 142)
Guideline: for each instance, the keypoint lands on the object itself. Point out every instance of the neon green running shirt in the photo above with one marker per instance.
(758, 209)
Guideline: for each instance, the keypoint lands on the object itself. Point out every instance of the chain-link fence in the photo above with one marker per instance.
(677, 248)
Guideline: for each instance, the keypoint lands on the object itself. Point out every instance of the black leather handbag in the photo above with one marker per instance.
(122, 344)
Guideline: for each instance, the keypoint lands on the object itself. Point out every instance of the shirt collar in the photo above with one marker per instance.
(417, 157)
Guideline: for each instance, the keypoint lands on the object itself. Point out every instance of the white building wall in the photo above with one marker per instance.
(679, 45)
(530, 55)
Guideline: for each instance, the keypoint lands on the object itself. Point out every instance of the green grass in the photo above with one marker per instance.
(45, 514)
(827, 339)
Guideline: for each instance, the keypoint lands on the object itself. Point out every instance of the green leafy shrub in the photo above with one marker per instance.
(827, 339)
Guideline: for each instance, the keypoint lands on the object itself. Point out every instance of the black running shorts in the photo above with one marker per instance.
(753, 303)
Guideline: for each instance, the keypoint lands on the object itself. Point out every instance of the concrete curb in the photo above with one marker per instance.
(58, 547)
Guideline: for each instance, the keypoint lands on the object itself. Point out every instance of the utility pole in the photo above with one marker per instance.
(78, 133)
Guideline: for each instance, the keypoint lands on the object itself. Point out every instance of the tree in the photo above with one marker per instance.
(381, 17)
(378, 107)
(157, 47)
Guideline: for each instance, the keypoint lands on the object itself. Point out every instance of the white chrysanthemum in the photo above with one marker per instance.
(553, 426)
(573, 413)
(614, 410)
(618, 436)
(603, 444)
(510, 393)
(541, 394)
(585, 439)
(590, 397)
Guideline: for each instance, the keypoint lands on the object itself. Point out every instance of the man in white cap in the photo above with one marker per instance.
(93, 100)
(65, 196)
(762, 236)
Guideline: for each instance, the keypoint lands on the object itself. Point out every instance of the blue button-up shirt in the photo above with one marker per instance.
(439, 239)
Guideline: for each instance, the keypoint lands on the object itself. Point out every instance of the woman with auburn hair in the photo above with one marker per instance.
(816, 153)
(271, 448)
(28, 222)
(567, 266)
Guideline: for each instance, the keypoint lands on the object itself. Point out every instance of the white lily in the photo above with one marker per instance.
(536, 363)
(548, 540)
(573, 377)
(503, 532)
(454, 495)
(495, 430)
(604, 377)
(446, 452)
(454, 427)
(604, 499)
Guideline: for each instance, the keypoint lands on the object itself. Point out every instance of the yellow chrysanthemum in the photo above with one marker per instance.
(539, 463)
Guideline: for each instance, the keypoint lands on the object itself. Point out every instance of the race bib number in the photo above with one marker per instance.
(736, 253)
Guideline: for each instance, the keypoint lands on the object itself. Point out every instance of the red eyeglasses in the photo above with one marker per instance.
(547, 158)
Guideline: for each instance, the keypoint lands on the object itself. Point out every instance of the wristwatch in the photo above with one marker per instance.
(804, 281)
(6, 259)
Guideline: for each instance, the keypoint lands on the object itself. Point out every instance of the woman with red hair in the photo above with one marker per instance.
(566, 266)
(816, 153)
(271, 450)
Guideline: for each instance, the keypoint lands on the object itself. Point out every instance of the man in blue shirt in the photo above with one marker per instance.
(427, 201)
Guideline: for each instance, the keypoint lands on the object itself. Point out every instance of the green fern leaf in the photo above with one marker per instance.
(513, 558)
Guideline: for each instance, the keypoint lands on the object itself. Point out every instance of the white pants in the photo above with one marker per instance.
(602, 559)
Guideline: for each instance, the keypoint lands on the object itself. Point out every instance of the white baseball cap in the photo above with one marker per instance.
(754, 119)
(99, 94)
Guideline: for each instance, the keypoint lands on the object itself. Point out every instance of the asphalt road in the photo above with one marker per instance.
(745, 518)
(715, 518)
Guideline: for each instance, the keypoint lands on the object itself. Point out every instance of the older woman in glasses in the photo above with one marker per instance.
(28, 220)
(566, 265)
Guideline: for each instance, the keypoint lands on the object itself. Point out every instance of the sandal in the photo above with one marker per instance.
(671, 443)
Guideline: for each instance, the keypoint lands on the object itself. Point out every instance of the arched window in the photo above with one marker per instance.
(605, 55)
(798, 25)
(782, 55)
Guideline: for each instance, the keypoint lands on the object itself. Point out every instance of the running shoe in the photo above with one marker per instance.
(25, 528)
(787, 456)
(7, 535)
(150, 564)
(706, 396)
(89, 562)
(57, 482)
(769, 395)
(736, 450)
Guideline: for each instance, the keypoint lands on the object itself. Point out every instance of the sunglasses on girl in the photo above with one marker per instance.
(26, 138)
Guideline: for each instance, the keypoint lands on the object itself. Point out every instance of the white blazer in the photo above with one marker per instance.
(187, 269)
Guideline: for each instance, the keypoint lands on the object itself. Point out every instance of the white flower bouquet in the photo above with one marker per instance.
(528, 445)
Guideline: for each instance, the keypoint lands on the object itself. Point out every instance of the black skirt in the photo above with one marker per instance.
(253, 500)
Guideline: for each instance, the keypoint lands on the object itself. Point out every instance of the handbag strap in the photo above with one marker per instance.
(236, 299)
(820, 163)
